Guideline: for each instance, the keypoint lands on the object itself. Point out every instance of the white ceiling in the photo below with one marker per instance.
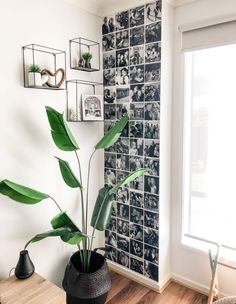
(104, 7)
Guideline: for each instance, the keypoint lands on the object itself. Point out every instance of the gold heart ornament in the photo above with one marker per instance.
(57, 85)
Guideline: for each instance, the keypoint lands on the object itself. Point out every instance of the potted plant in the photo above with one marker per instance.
(86, 277)
(87, 56)
(35, 77)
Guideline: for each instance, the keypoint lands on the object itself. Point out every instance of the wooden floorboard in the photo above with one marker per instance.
(125, 291)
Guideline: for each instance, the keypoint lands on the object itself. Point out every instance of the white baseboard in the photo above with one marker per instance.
(157, 287)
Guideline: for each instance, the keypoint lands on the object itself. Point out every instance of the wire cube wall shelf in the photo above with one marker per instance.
(53, 62)
(80, 45)
(74, 98)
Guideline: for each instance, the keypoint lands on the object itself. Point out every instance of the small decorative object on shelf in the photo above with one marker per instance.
(84, 100)
(84, 55)
(44, 67)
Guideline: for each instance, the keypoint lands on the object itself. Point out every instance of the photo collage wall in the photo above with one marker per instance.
(131, 76)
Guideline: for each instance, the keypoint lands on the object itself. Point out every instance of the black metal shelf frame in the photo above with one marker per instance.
(77, 102)
(88, 45)
(35, 49)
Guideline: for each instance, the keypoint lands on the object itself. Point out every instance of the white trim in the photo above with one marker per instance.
(134, 276)
(205, 23)
(89, 6)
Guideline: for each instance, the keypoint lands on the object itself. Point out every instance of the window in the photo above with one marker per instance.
(210, 144)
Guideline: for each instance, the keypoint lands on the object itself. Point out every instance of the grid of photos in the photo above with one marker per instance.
(132, 75)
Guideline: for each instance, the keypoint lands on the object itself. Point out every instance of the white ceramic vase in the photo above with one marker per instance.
(36, 79)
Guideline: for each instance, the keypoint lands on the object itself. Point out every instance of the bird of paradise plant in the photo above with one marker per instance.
(62, 224)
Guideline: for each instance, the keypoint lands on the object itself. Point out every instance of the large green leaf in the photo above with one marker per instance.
(113, 134)
(131, 177)
(62, 220)
(60, 131)
(52, 233)
(102, 210)
(69, 178)
(21, 193)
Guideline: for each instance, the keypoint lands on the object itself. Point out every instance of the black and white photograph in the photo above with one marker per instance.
(123, 227)
(92, 106)
(137, 74)
(125, 132)
(136, 16)
(151, 254)
(136, 111)
(136, 232)
(152, 92)
(108, 125)
(152, 111)
(151, 184)
(136, 248)
(122, 146)
(110, 238)
(110, 160)
(136, 199)
(153, 12)
(122, 76)
(150, 271)
(152, 72)
(153, 165)
(122, 162)
(136, 162)
(109, 77)
(108, 42)
(112, 225)
(122, 94)
(108, 25)
(122, 39)
(110, 111)
(122, 20)
(136, 129)
(137, 184)
(122, 195)
(123, 243)
(111, 253)
(153, 52)
(122, 110)
(123, 211)
(121, 175)
(122, 58)
(123, 258)
(151, 202)
(109, 94)
(136, 55)
(152, 130)
(151, 236)
(136, 215)
(151, 220)
(136, 265)
(114, 208)
(137, 92)
(153, 32)
(151, 148)
(109, 60)
(137, 36)
(136, 146)
(110, 177)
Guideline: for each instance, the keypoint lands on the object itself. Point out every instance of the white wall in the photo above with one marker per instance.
(188, 265)
(26, 149)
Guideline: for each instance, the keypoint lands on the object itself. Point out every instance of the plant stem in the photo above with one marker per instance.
(55, 203)
(83, 214)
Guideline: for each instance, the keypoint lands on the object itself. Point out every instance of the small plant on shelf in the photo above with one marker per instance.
(87, 56)
(34, 68)
(35, 77)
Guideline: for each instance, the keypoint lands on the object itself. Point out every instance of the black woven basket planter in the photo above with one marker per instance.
(87, 288)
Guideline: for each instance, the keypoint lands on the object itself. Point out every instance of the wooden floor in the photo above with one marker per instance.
(125, 291)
